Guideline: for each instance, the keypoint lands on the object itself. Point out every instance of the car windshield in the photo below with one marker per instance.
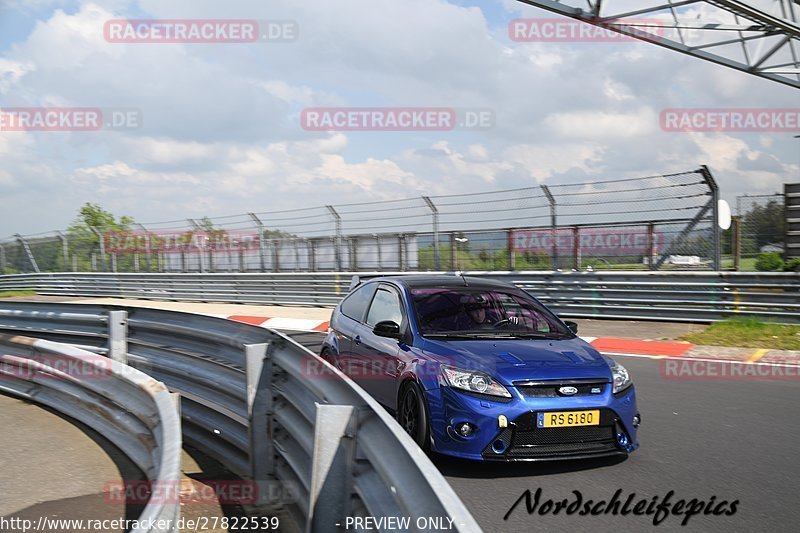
(483, 313)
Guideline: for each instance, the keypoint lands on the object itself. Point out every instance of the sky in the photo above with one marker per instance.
(220, 128)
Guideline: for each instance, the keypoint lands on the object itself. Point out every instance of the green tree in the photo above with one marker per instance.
(764, 223)
(83, 239)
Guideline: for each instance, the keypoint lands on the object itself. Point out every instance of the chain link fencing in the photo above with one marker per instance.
(647, 223)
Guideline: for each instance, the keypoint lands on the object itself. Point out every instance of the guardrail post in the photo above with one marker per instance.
(118, 336)
(332, 467)
(258, 367)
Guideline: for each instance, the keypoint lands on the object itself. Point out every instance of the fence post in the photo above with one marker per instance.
(435, 216)
(736, 242)
(576, 247)
(331, 466)
(337, 243)
(258, 367)
(118, 336)
(64, 249)
(512, 257)
(260, 226)
(28, 252)
(401, 250)
(452, 251)
(553, 226)
(102, 251)
(717, 241)
(651, 246)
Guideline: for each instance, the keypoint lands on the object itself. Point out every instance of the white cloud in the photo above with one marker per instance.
(221, 131)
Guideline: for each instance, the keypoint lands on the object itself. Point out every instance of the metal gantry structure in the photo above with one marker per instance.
(760, 37)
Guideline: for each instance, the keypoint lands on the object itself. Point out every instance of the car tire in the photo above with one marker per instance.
(412, 415)
(326, 355)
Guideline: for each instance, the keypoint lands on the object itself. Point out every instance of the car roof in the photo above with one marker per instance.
(422, 280)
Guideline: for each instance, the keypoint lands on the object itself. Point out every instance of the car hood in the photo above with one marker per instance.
(509, 360)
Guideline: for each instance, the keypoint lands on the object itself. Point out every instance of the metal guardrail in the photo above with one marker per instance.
(313, 442)
(682, 296)
(131, 409)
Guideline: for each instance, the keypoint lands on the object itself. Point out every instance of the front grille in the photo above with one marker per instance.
(545, 436)
(526, 441)
(546, 389)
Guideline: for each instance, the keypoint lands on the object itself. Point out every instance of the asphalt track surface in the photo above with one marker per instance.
(728, 439)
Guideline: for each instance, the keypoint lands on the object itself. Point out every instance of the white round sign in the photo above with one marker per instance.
(724, 215)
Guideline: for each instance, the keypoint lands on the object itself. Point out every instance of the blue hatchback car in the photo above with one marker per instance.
(480, 369)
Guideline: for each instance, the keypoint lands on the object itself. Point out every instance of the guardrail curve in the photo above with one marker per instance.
(266, 408)
(132, 410)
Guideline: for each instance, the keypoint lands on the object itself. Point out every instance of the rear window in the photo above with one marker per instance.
(355, 305)
(468, 309)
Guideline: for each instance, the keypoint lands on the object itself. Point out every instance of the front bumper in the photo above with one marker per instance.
(520, 439)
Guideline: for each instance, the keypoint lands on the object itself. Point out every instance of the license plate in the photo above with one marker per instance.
(564, 419)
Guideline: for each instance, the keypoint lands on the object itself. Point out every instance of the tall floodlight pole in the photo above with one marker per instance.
(338, 239)
(553, 225)
(260, 226)
(435, 216)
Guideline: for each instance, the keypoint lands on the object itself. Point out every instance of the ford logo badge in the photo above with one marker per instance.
(567, 391)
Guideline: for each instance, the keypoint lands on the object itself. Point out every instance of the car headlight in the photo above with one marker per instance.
(473, 381)
(622, 380)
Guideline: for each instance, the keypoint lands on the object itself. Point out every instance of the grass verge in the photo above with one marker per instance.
(748, 333)
(9, 294)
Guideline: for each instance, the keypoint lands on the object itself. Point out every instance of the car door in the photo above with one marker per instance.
(352, 311)
(377, 356)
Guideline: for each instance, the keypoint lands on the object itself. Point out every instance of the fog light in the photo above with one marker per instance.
(464, 429)
(622, 439)
(498, 446)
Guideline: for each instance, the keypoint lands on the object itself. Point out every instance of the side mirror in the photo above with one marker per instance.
(573, 326)
(387, 328)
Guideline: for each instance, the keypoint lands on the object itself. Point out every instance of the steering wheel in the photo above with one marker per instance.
(501, 323)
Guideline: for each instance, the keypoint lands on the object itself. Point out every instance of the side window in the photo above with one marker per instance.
(385, 306)
(355, 305)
